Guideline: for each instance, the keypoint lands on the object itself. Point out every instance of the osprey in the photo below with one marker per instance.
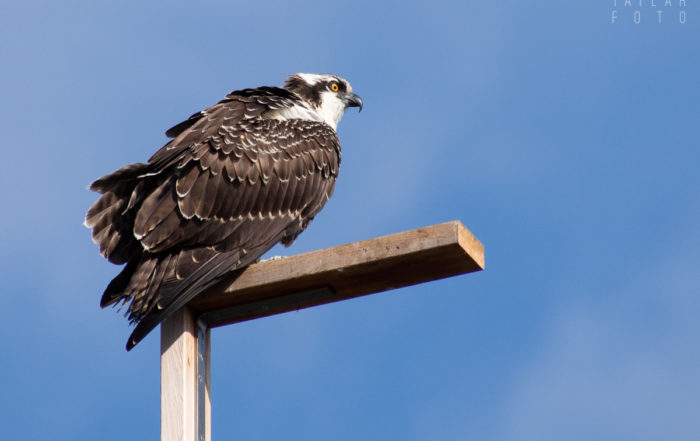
(235, 179)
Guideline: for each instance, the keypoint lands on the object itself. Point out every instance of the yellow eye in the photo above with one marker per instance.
(334, 86)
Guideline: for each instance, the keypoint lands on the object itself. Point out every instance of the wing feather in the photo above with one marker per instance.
(282, 169)
(251, 195)
(155, 209)
(271, 202)
(185, 181)
(189, 204)
(165, 234)
(288, 198)
(206, 203)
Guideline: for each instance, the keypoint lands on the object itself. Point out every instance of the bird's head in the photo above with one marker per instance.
(327, 95)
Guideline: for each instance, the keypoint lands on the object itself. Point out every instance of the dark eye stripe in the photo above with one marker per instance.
(341, 86)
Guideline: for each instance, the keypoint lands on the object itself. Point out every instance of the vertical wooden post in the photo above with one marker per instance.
(184, 366)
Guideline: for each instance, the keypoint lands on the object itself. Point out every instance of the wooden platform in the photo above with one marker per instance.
(342, 272)
(292, 283)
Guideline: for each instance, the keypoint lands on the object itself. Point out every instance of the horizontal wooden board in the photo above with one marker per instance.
(342, 272)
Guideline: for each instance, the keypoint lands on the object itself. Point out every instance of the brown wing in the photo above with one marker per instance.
(227, 188)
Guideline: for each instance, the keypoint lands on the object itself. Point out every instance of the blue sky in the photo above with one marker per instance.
(567, 144)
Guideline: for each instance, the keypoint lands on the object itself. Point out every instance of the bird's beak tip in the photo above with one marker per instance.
(353, 100)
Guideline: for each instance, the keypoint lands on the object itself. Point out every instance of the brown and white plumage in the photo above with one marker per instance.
(237, 178)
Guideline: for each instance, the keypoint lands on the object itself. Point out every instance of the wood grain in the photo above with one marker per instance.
(178, 377)
(342, 272)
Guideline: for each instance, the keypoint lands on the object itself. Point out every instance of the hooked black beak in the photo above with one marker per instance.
(352, 100)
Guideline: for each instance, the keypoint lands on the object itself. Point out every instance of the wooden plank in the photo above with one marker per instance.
(181, 377)
(345, 271)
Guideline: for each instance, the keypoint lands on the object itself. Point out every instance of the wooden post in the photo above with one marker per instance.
(184, 378)
(292, 283)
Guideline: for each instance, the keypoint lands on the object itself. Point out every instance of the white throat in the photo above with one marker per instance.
(331, 109)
